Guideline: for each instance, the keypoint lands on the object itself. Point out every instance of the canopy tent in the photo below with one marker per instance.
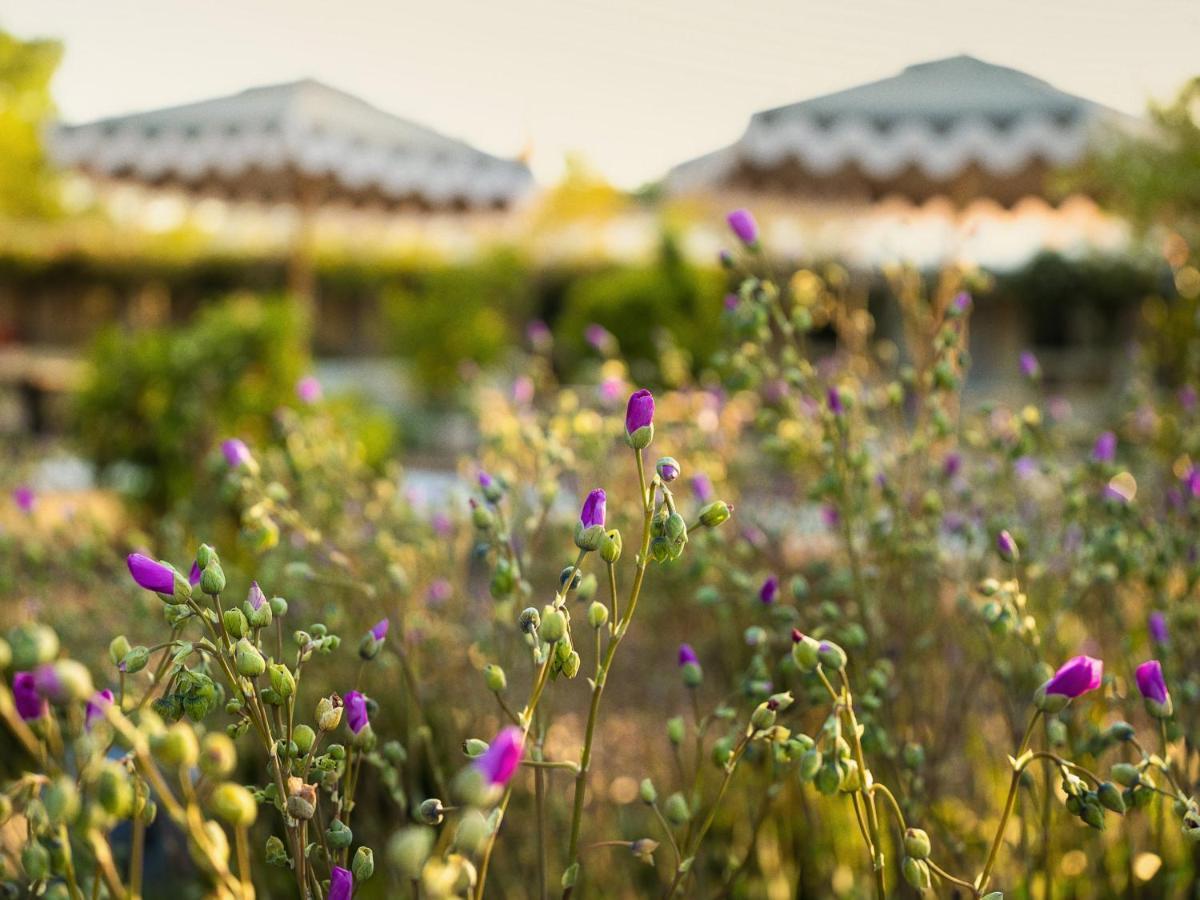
(302, 143)
(958, 127)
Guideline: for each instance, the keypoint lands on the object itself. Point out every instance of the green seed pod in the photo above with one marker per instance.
(473, 830)
(61, 801)
(409, 848)
(176, 746)
(571, 665)
(676, 810)
(530, 620)
(279, 607)
(117, 648)
(722, 751)
(647, 792)
(1093, 814)
(554, 625)
(218, 756)
(363, 864)
(474, 747)
(494, 678)
(715, 513)
(831, 655)
(1126, 774)
(250, 662)
(236, 623)
(282, 681)
(212, 578)
(1121, 731)
(234, 804)
(338, 835)
(916, 873)
(135, 660)
(113, 790)
(810, 764)
(304, 737)
(597, 614)
(675, 730)
(1110, 798)
(763, 717)
(804, 653)
(35, 860)
(828, 778)
(431, 811)
(916, 843)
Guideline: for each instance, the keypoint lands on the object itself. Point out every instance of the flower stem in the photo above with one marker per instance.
(1009, 802)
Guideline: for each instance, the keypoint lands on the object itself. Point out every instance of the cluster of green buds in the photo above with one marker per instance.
(1005, 610)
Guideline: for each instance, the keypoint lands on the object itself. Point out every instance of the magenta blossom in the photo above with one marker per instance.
(1076, 677)
(28, 701)
(1158, 627)
(309, 390)
(25, 498)
(769, 590)
(599, 337)
(594, 509)
(356, 711)
(255, 596)
(1150, 681)
(538, 334)
(380, 629)
(742, 223)
(237, 454)
(1029, 365)
(640, 411)
(151, 575)
(687, 656)
(97, 708)
(500, 761)
(47, 683)
(834, 398)
(341, 884)
(961, 303)
(485, 480)
(1105, 450)
(731, 302)
(194, 574)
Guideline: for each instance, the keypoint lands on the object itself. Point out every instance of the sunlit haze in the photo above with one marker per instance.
(634, 87)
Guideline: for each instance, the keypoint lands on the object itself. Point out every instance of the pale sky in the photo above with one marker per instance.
(635, 86)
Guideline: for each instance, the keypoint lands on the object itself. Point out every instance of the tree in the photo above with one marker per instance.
(27, 182)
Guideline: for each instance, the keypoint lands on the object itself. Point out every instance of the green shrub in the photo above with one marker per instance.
(158, 400)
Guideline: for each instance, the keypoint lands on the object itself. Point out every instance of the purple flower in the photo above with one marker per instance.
(380, 629)
(830, 516)
(1029, 365)
(341, 884)
(640, 411)
(194, 574)
(151, 575)
(1076, 677)
(522, 389)
(309, 390)
(1105, 450)
(961, 302)
(439, 591)
(1187, 398)
(593, 511)
(1006, 546)
(732, 301)
(1158, 627)
(97, 708)
(687, 656)
(442, 524)
(236, 452)
(538, 334)
(503, 756)
(610, 389)
(952, 464)
(741, 223)
(1150, 681)
(47, 683)
(256, 598)
(769, 590)
(702, 487)
(599, 337)
(356, 711)
(834, 398)
(485, 480)
(1025, 467)
(25, 498)
(29, 702)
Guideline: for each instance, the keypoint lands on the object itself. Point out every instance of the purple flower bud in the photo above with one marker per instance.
(1150, 681)
(1025, 467)
(769, 590)
(593, 509)
(151, 575)
(309, 390)
(952, 464)
(236, 452)
(687, 656)
(830, 516)
(485, 480)
(1029, 365)
(640, 411)
(256, 598)
(442, 524)
(1105, 450)
(741, 223)
(522, 390)
(97, 708)
(1158, 627)
(47, 683)
(1076, 677)
(380, 629)
(194, 574)
(439, 591)
(834, 398)
(732, 301)
(702, 487)
(500, 761)
(28, 701)
(599, 337)
(1006, 546)
(356, 711)
(610, 389)
(25, 498)
(961, 302)
(1187, 398)
(538, 334)
(341, 884)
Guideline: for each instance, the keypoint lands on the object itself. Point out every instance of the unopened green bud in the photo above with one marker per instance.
(250, 662)
(763, 717)
(35, 860)
(1093, 814)
(218, 756)
(810, 764)
(916, 843)
(135, 660)
(117, 648)
(1110, 798)
(474, 747)
(408, 850)
(831, 655)
(647, 792)
(338, 835)
(234, 804)
(363, 864)
(597, 614)
(1121, 731)
(303, 737)
(113, 790)
(1126, 774)
(715, 513)
(61, 801)
(279, 607)
(236, 623)
(494, 678)
(176, 746)
(676, 810)
(916, 873)
(212, 578)
(275, 852)
(804, 652)
(282, 681)
(482, 518)
(610, 546)
(204, 555)
(432, 811)
(554, 625)
(675, 730)
(693, 675)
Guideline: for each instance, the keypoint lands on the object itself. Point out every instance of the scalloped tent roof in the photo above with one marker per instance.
(956, 127)
(300, 142)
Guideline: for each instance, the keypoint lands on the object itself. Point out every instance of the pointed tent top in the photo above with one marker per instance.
(264, 137)
(957, 126)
